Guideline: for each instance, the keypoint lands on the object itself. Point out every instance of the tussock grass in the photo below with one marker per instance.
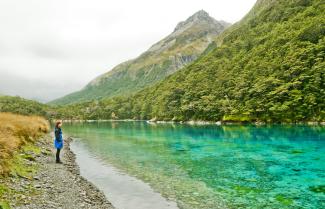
(16, 131)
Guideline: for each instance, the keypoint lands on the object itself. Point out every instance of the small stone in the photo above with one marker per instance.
(44, 153)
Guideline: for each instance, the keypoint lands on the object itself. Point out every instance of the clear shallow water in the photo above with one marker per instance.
(123, 191)
(211, 166)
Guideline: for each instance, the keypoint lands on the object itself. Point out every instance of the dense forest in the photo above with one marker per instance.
(268, 67)
(22, 106)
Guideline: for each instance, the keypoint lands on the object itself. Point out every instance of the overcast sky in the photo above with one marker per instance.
(49, 48)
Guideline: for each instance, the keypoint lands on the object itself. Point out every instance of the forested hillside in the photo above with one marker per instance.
(268, 67)
(22, 106)
(189, 39)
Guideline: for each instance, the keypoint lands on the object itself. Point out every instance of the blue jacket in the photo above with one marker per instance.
(58, 140)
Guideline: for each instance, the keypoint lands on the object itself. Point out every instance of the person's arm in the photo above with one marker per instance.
(57, 134)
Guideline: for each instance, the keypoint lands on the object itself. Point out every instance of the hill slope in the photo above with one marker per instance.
(23, 106)
(189, 39)
(270, 67)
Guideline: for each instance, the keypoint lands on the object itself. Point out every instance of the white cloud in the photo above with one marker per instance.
(60, 45)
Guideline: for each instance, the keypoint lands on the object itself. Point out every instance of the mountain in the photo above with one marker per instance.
(189, 39)
(268, 67)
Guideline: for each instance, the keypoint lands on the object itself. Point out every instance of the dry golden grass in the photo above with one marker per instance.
(15, 131)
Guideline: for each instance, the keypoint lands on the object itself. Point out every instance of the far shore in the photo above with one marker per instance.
(200, 122)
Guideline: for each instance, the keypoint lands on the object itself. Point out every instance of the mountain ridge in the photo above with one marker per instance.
(269, 67)
(189, 39)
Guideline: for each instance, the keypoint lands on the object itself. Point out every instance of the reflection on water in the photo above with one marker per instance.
(203, 166)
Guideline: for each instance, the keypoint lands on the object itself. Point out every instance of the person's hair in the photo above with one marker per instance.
(57, 123)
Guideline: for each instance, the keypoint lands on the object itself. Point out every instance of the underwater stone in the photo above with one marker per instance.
(317, 189)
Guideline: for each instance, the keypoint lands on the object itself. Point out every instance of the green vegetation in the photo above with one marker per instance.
(19, 167)
(22, 106)
(4, 205)
(17, 136)
(268, 67)
(18, 133)
(184, 45)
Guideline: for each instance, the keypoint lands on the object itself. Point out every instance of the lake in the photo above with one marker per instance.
(278, 166)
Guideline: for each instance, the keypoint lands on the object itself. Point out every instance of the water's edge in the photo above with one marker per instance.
(122, 190)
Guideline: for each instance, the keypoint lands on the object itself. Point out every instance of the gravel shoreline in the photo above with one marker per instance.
(54, 185)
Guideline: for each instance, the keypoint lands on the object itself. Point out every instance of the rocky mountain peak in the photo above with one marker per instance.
(190, 38)
(199, 17)
(202, 15)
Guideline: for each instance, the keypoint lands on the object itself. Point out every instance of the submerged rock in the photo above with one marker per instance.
(297, 152)
(317, 189)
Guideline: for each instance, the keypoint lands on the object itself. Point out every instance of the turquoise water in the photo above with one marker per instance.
(206, 166)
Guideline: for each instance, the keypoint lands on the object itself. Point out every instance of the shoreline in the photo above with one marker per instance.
(121, 189)
(52, 185)
(75, 169)
(202, 122)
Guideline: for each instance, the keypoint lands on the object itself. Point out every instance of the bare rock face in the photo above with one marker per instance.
(201, 17)
(188, 40)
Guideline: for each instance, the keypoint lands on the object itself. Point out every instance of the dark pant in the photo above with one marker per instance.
(58, 155)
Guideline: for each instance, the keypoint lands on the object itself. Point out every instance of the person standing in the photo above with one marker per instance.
(58, 141)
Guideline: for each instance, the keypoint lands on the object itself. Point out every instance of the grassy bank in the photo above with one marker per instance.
(17, 136)
(30, 178)
(17, 131)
